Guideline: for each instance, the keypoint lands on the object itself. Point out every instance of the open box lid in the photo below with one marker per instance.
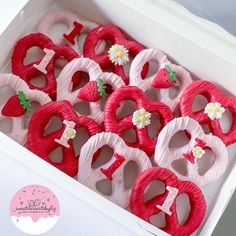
(222, 13)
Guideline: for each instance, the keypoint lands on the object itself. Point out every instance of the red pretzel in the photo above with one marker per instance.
(167, 201)
(116, 36)
(28, 72)
(42, 145)
(142, 101)
(213, 94)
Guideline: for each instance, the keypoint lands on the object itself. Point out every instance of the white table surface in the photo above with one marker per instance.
(221, 12)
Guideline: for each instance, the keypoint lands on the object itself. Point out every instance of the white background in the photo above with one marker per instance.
(219, 11)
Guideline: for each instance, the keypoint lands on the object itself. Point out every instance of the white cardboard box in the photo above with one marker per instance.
(197, 44)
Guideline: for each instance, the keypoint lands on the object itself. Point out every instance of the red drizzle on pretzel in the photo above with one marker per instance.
(43, 145)
(213, 95)
(111, 124)
(116, 36)
(158, 203)
(29, 72)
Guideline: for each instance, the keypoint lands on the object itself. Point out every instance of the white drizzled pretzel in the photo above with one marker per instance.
(19, 133)
(64, 84)
(112, 170)
(199, 142)
(75, 24)
(147, 55)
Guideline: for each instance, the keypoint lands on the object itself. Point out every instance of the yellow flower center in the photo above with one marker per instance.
(119, 53)
(69, 133)
(198, 152)
(142, 118)
(215, 109)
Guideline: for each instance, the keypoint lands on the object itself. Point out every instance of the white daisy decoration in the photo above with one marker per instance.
(70, 133)
(118, 54)
(214, 110)
(141, 118)
(198, 152)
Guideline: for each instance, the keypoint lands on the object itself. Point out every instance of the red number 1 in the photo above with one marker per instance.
(71, 36)
(113, 167)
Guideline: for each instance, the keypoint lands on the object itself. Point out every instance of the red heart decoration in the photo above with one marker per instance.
(28, 72)
(42, 145)
(147, 209)
(116, 36)
(212, 94)
(135, 94)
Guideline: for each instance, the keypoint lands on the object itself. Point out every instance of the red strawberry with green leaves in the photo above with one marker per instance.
(165, 78)
(93, 91)
(16, 106)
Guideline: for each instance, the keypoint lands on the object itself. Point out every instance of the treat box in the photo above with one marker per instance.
(202, 47)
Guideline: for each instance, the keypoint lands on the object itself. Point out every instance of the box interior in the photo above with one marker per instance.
(152, 32)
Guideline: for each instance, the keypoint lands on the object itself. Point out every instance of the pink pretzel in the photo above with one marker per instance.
(19, 133)
(64, 83)
(142, 101)
(46, 66)
(72, 21)
(183, 77)
(166, 202)
(42, 145)
(116, 36)
(112, 170)
(213, 94)
(199, 142)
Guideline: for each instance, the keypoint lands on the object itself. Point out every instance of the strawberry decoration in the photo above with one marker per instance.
(16, 106)
(165, 78)
(93, 91)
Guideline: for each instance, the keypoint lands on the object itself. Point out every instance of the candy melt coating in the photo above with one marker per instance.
(68, 18)
(64, 84)
(116, 36)
(163, 95)
(112, 124)
(149, 208)
(90, 177)
(19, 132)
(28, 72)
(213, 94)
(165, 156)
(42, 145)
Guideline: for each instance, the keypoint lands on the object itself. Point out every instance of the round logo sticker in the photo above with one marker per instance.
(34, 209)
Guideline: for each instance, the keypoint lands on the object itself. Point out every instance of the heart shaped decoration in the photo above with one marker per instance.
(217, 103)
(166, 202)
(16, 108)
(42, 145)
(46, 66)
(113, 170)
(91, 90)
(199, 142)
(76, 28)
(118, 54)
(162, 80)
(140, 118)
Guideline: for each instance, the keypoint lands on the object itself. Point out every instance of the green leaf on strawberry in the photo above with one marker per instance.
(171, 73)
(24, 101)
(165, 78)
(101, 88)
